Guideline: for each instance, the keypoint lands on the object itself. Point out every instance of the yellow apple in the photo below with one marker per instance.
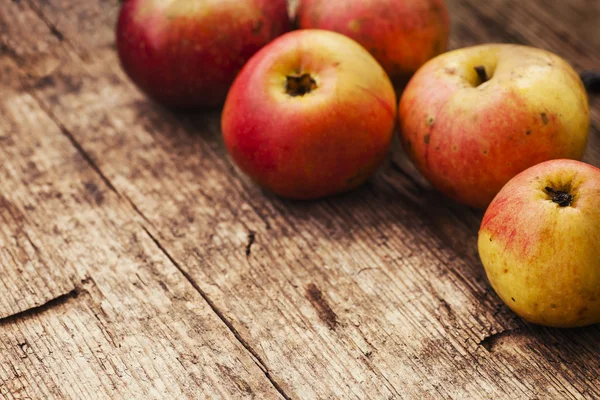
(473, 118)
(540, 244)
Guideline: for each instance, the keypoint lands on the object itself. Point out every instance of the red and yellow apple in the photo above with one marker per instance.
(310, 115)
(540, 244)
(473, 118)
(186, 53)
(401, 35)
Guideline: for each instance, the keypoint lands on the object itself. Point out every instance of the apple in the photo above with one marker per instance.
(186, 53)
(401, 35)
(473, 118)
(310, 115)
(540, 244)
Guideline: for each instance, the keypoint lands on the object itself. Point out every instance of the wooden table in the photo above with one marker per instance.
(137, 262)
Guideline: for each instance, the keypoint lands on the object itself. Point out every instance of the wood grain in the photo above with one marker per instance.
(91, 306)
(374, 294)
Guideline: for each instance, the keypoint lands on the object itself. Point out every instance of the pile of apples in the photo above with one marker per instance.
(311, 112)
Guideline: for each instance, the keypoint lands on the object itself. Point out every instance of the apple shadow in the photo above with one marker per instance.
(570, 352)
(395, 196)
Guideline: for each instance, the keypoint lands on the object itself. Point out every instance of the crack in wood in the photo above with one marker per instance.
(48, 305)
(360, 271)
(135, 208)
(24, 346)
(257, 359)
(251, 239)
(490, 341)
(53, 29)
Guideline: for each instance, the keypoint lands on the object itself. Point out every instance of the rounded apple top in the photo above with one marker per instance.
(311, 114)
(473, 118)
(556, 186)
(328, 61)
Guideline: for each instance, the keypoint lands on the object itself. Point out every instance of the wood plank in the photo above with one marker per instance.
(131, 326)
(373, 294)
(92, 307)
(28, 279)
(29, 276)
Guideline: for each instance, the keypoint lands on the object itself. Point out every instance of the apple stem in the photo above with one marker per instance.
(300, 85)
(560, 197)
(591, 81)
(482, 73)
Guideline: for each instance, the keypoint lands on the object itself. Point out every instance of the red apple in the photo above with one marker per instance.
(473, 118)
(311, 114)
(186, 53)
(401, 35)
(540, 244)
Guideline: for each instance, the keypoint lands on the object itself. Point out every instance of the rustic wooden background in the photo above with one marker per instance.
(137, 262)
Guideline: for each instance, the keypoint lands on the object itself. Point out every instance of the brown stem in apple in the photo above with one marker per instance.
(560, 197)
(299, 85)
(482, 73)
(591, 81)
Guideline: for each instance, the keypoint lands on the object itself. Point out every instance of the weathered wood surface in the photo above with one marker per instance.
(137, 262)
